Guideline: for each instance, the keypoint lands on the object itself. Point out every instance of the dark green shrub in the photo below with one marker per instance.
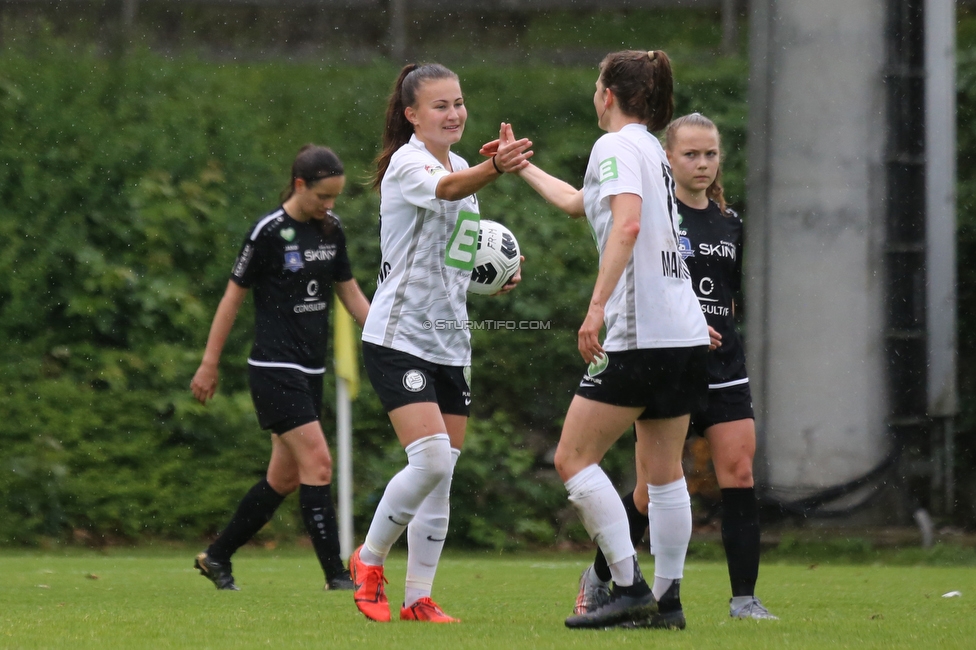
(126, 186)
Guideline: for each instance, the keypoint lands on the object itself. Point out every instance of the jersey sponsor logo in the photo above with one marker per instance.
(323, 254)
(464, 241)
(288, 234)
(608, 169)
(385, 269)
(706, 286)
(414, 381)
(310, 307)
(242, 260)
(722, 249)
(715, 310)
(293, 261)
(434, 170)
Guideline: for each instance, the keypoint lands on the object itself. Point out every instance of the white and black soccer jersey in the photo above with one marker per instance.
(428, 247)
(653, 304)
(291, 267)
(711, 245)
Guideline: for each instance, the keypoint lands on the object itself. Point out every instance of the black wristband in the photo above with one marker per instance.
(495, 165)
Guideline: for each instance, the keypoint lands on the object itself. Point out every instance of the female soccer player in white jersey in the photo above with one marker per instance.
(650, 369)
(711, 238)
(293, 258)
(417, 362)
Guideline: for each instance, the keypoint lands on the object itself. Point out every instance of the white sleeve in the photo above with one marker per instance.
(418, 177)
(619, 167)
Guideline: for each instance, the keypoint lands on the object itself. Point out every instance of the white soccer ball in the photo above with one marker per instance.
(496, 260)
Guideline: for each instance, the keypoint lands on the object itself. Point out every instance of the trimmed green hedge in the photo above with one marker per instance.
(126, 186)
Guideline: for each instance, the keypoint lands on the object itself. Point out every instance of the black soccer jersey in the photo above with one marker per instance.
(711, 245)
(291, 266)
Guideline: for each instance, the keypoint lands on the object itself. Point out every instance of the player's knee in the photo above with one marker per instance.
(284, 484)
(738, 474)
(431, 460)
(317, 470)
(324, 471)
(743, 476)
(436, 468)
(567, 465)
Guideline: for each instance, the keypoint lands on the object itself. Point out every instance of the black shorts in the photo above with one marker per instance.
(724, 405)
(284, 398)
(667, 382)
(400, 379)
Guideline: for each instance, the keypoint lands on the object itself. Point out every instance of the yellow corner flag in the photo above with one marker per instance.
(344, 348)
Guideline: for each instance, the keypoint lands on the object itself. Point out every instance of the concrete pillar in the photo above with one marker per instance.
(814, 242)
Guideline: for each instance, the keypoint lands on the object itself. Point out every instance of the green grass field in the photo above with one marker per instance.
(151, 598)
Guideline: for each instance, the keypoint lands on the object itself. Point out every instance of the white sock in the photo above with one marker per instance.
(428, 462)
(623, 572)
(669, 515)
(425, 538)
(603, 515)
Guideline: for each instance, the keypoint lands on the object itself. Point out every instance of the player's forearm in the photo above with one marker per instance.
(223, 322)
(457, 185)
(353, 299)
(620, 245)
(559, 193)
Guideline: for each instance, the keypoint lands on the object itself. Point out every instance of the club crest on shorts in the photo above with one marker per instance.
(467, 376)
(598, 366)
(414, 381)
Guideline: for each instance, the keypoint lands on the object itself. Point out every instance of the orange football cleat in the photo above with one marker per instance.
(426, 610)
(368, 581)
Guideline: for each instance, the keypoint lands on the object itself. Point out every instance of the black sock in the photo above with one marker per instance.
(254, 511)
(740, 536)
(319, 516)
(638, 526)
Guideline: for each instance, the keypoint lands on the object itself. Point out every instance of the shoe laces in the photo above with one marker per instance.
(375, 578)
(426, 609)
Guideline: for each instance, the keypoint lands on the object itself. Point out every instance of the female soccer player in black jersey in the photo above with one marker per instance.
(711, 244)
(293, 258)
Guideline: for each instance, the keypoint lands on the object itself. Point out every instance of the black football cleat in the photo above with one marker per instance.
(669, 615)
(216, 572)
(340, 582)
(620, 609)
